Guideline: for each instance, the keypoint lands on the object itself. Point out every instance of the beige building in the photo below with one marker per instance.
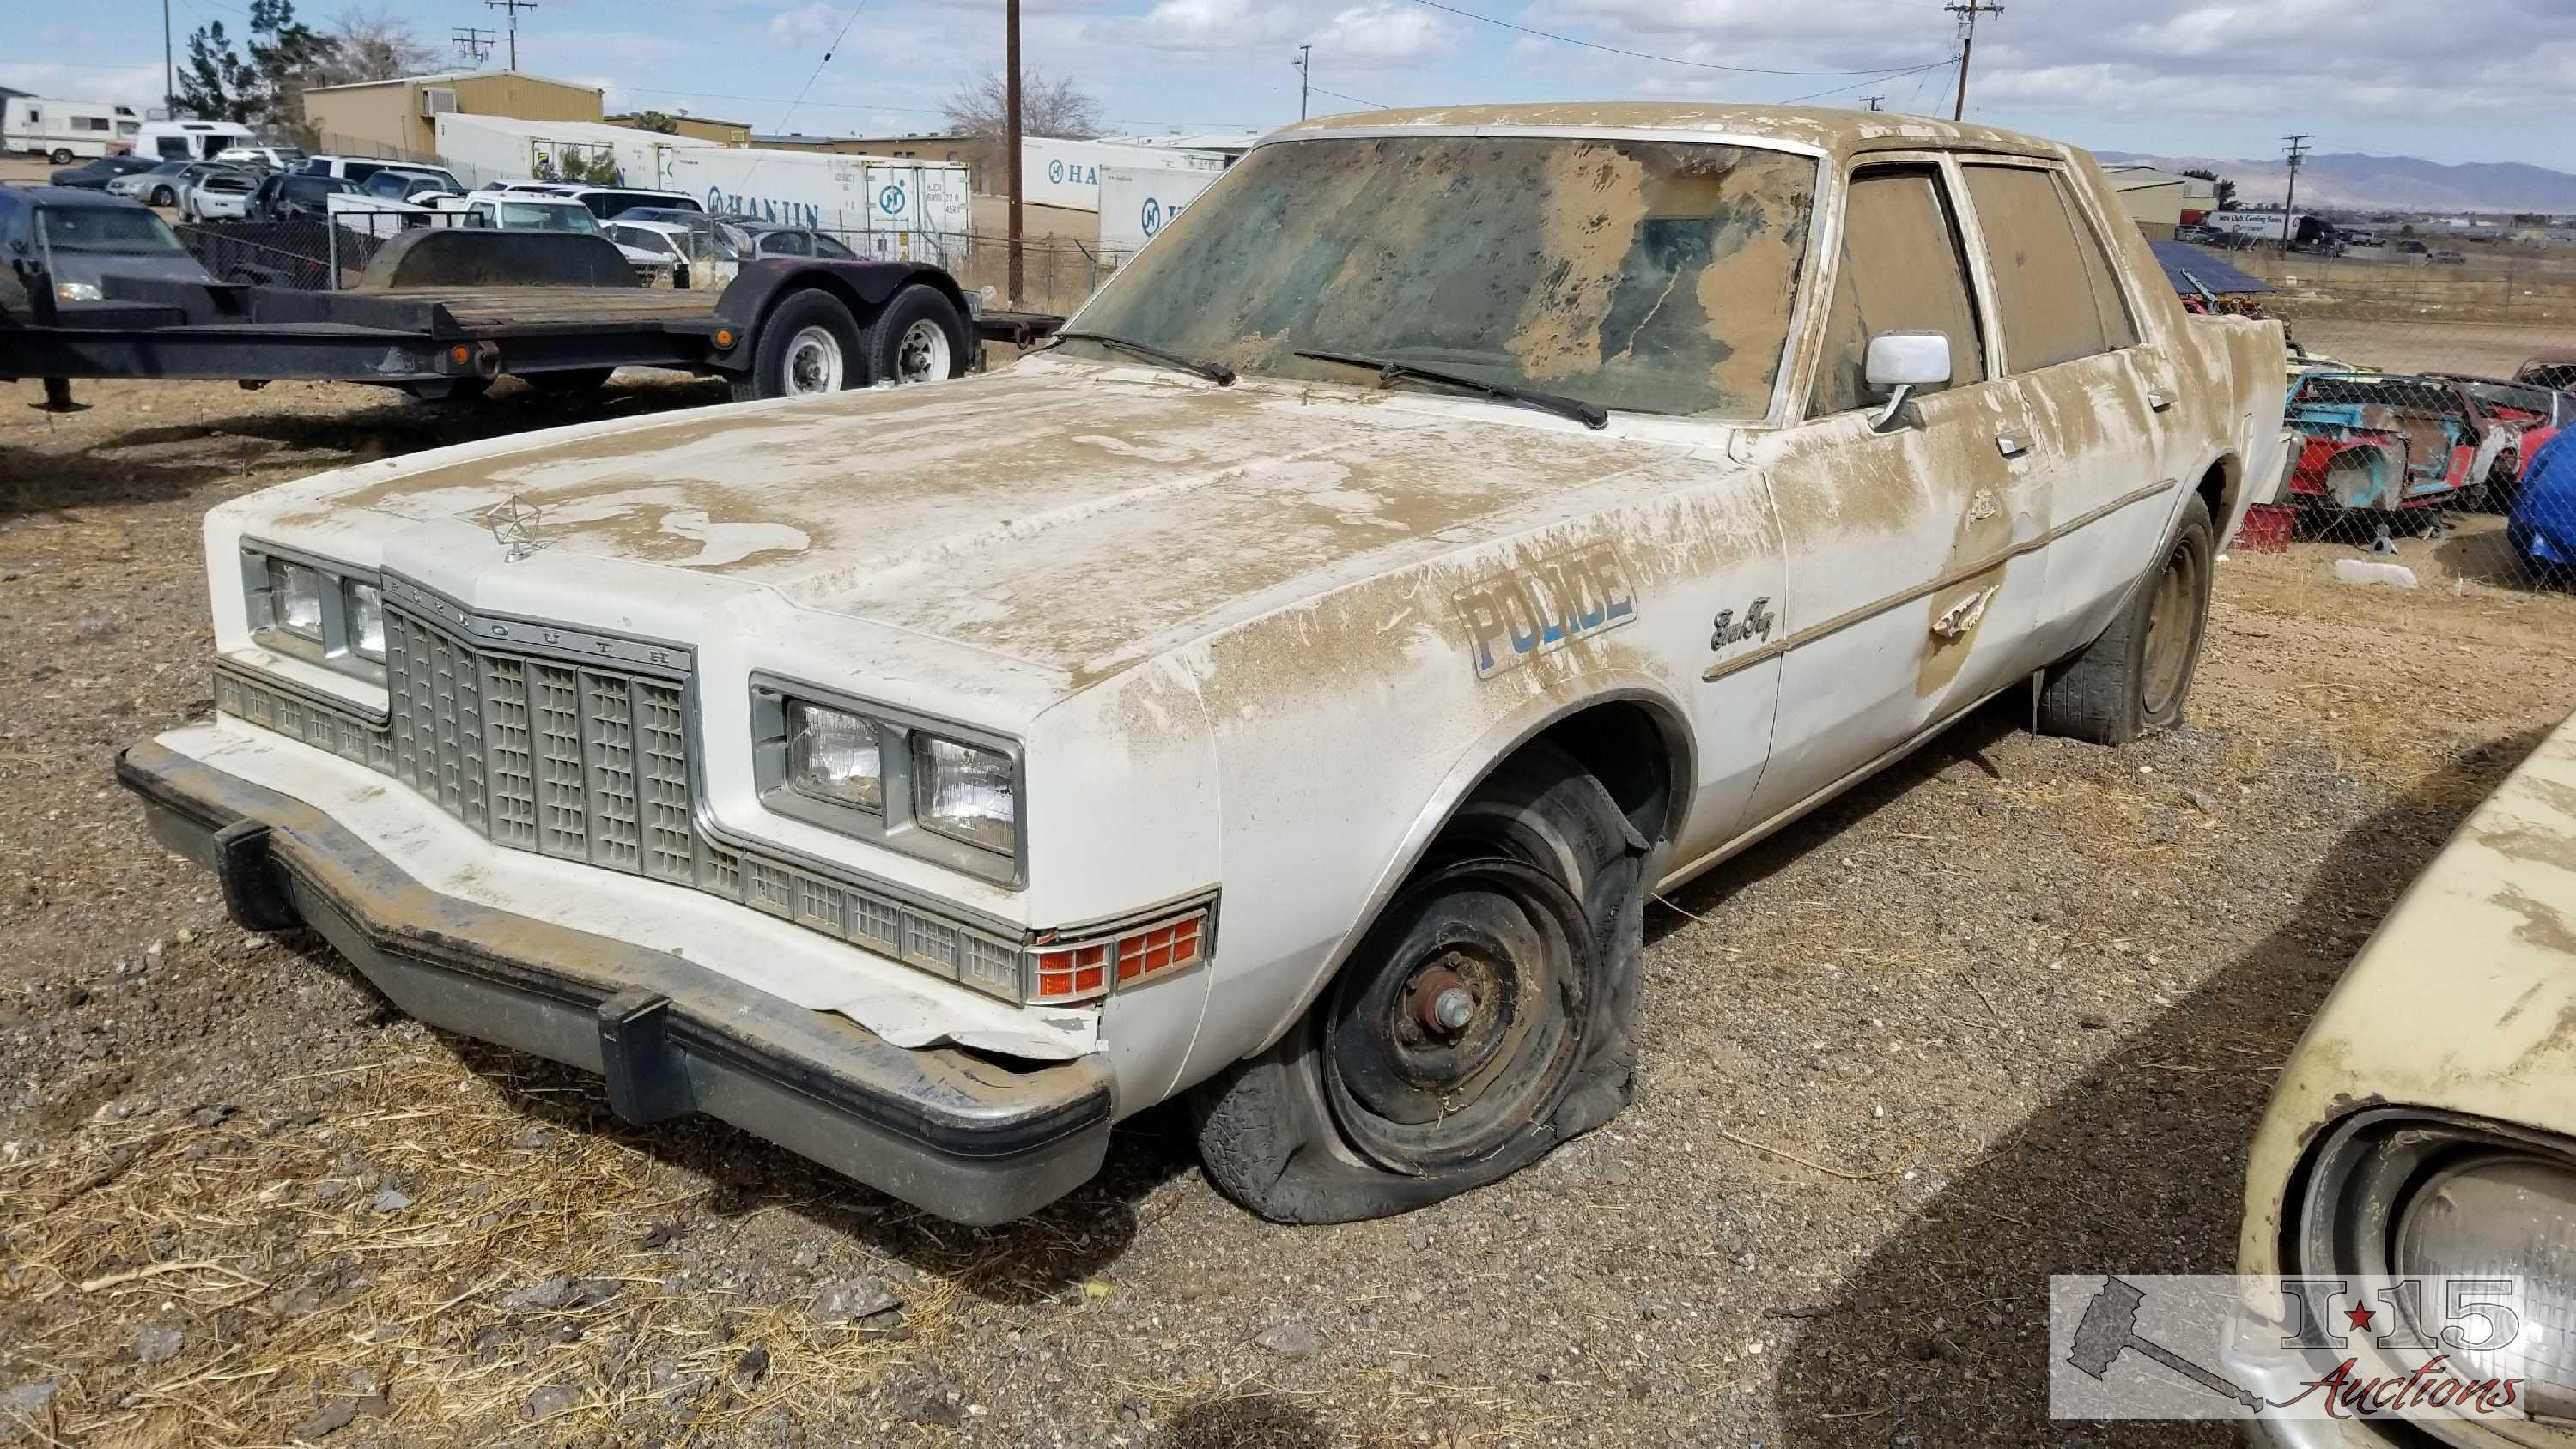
(2154, 198)
(396, 117)
(703, 128)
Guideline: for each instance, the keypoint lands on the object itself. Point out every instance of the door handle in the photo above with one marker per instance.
(2011, 446)
(2159, 399)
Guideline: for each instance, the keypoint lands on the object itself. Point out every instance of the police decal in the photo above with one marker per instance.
(1517, 615)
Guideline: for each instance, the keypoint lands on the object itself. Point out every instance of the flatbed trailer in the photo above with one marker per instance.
(438, 340)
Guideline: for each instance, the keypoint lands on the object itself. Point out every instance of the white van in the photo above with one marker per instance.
(60, 131)
(190, 140)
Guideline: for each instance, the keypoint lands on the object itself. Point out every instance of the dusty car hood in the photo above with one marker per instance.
(1074, 517)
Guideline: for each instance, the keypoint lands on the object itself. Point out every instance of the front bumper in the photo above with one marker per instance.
(947, 1131)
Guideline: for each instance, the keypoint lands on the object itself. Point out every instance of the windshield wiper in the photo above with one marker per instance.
(1388, 372)
(1215, 372)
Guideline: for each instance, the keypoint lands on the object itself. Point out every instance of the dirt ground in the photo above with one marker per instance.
(2011, 1009)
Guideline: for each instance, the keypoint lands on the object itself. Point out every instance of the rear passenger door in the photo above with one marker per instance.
(2095, 394)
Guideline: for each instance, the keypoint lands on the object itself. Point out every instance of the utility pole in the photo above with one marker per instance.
(513, 7)
(1872, 101)
(1305, 63)
(2298, 153)
(169, 71)
(1011, 135)
(471, 44)
(1967, 11)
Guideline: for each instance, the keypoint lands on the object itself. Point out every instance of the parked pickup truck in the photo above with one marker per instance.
(1287, 690)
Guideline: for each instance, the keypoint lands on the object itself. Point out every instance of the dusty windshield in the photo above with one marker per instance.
(1653, 276)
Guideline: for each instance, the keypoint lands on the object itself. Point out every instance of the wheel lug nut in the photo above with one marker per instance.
(1454, 1008)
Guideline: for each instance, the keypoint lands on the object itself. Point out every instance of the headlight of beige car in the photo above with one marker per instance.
(2406, 1194)
(943, 791)
(310, 608)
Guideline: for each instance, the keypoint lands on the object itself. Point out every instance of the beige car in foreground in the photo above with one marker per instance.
(2426, 1125)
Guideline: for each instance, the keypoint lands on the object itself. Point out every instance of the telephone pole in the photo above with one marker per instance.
(513, 7)
(2298, 148)
(1967, 11)
(1304, 62)
(1011, 133)
(1872, 101)
(169, 71)
(471, 43)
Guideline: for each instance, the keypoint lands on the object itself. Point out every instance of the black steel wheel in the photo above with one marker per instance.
(1489, 1013)
(1460, 1018)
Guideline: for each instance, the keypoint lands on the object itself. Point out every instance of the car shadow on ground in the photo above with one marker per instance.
(2490, 558)
(2139, 1168)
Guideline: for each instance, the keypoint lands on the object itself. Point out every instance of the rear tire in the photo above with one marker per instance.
(62, 156)
(1531, 905)
(2135, 677)
(916, 337)
(809, 344)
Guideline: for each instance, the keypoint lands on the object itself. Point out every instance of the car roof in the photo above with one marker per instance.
(1832, 132)
(70, 196)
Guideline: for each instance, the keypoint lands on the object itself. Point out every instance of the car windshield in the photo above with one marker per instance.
(103, 229)
(1652, 276)
(537, 216)
(2506, 395)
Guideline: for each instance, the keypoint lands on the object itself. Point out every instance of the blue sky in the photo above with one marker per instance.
(2163, 76)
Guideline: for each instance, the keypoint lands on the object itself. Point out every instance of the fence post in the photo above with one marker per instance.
(331, 246)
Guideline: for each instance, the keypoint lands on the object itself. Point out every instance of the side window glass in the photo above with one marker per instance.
(2118, 328)
(2053, 285)
(1900, 268)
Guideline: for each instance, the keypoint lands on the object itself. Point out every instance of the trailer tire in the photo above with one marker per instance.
(916, 336)
(2136, 675)
(1535, 893)
(809, 344)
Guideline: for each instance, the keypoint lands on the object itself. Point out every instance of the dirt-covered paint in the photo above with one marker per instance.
(2463, 1001)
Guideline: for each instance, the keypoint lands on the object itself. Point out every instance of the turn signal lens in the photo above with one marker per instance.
(1077, 973)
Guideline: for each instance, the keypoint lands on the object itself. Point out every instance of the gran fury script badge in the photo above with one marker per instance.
(1516, 616)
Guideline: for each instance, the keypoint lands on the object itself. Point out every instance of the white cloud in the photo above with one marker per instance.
(136, 85)
(810, 24)
(1374, 32)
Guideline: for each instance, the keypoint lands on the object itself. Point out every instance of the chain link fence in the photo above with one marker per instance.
(306, 254)
(2432, 370)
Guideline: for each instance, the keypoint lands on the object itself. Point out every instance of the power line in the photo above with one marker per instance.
(1666, 59)
(1856, 85)
(1354, 100)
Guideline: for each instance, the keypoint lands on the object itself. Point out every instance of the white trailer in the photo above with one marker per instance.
(190, 140)
(61, 131)
(885, 210)
(2304, 230)
(482, 150)
(1067, 173)
(1137, 201)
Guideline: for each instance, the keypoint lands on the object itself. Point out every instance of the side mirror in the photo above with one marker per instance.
(1900, 362)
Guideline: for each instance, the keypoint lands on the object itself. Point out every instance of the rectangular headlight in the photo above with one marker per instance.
(364, 608)
(295, 598)
(834, 754)
(965, 793)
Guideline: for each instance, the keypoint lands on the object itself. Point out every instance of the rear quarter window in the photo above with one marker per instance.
(2055, 289)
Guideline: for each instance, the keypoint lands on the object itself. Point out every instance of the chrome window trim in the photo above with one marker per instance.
(898, 827)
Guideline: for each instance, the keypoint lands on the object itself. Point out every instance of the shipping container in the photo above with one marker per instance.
(482, 150)
(1067, 173)
(1136, 202)
(887, 210)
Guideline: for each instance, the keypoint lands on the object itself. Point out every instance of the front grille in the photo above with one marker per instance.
(587, 761)
(568, 760)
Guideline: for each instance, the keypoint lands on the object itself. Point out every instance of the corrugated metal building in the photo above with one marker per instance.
(396, 117)
(2154, 198)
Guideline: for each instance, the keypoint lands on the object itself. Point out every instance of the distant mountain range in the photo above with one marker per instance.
(2385, 183)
